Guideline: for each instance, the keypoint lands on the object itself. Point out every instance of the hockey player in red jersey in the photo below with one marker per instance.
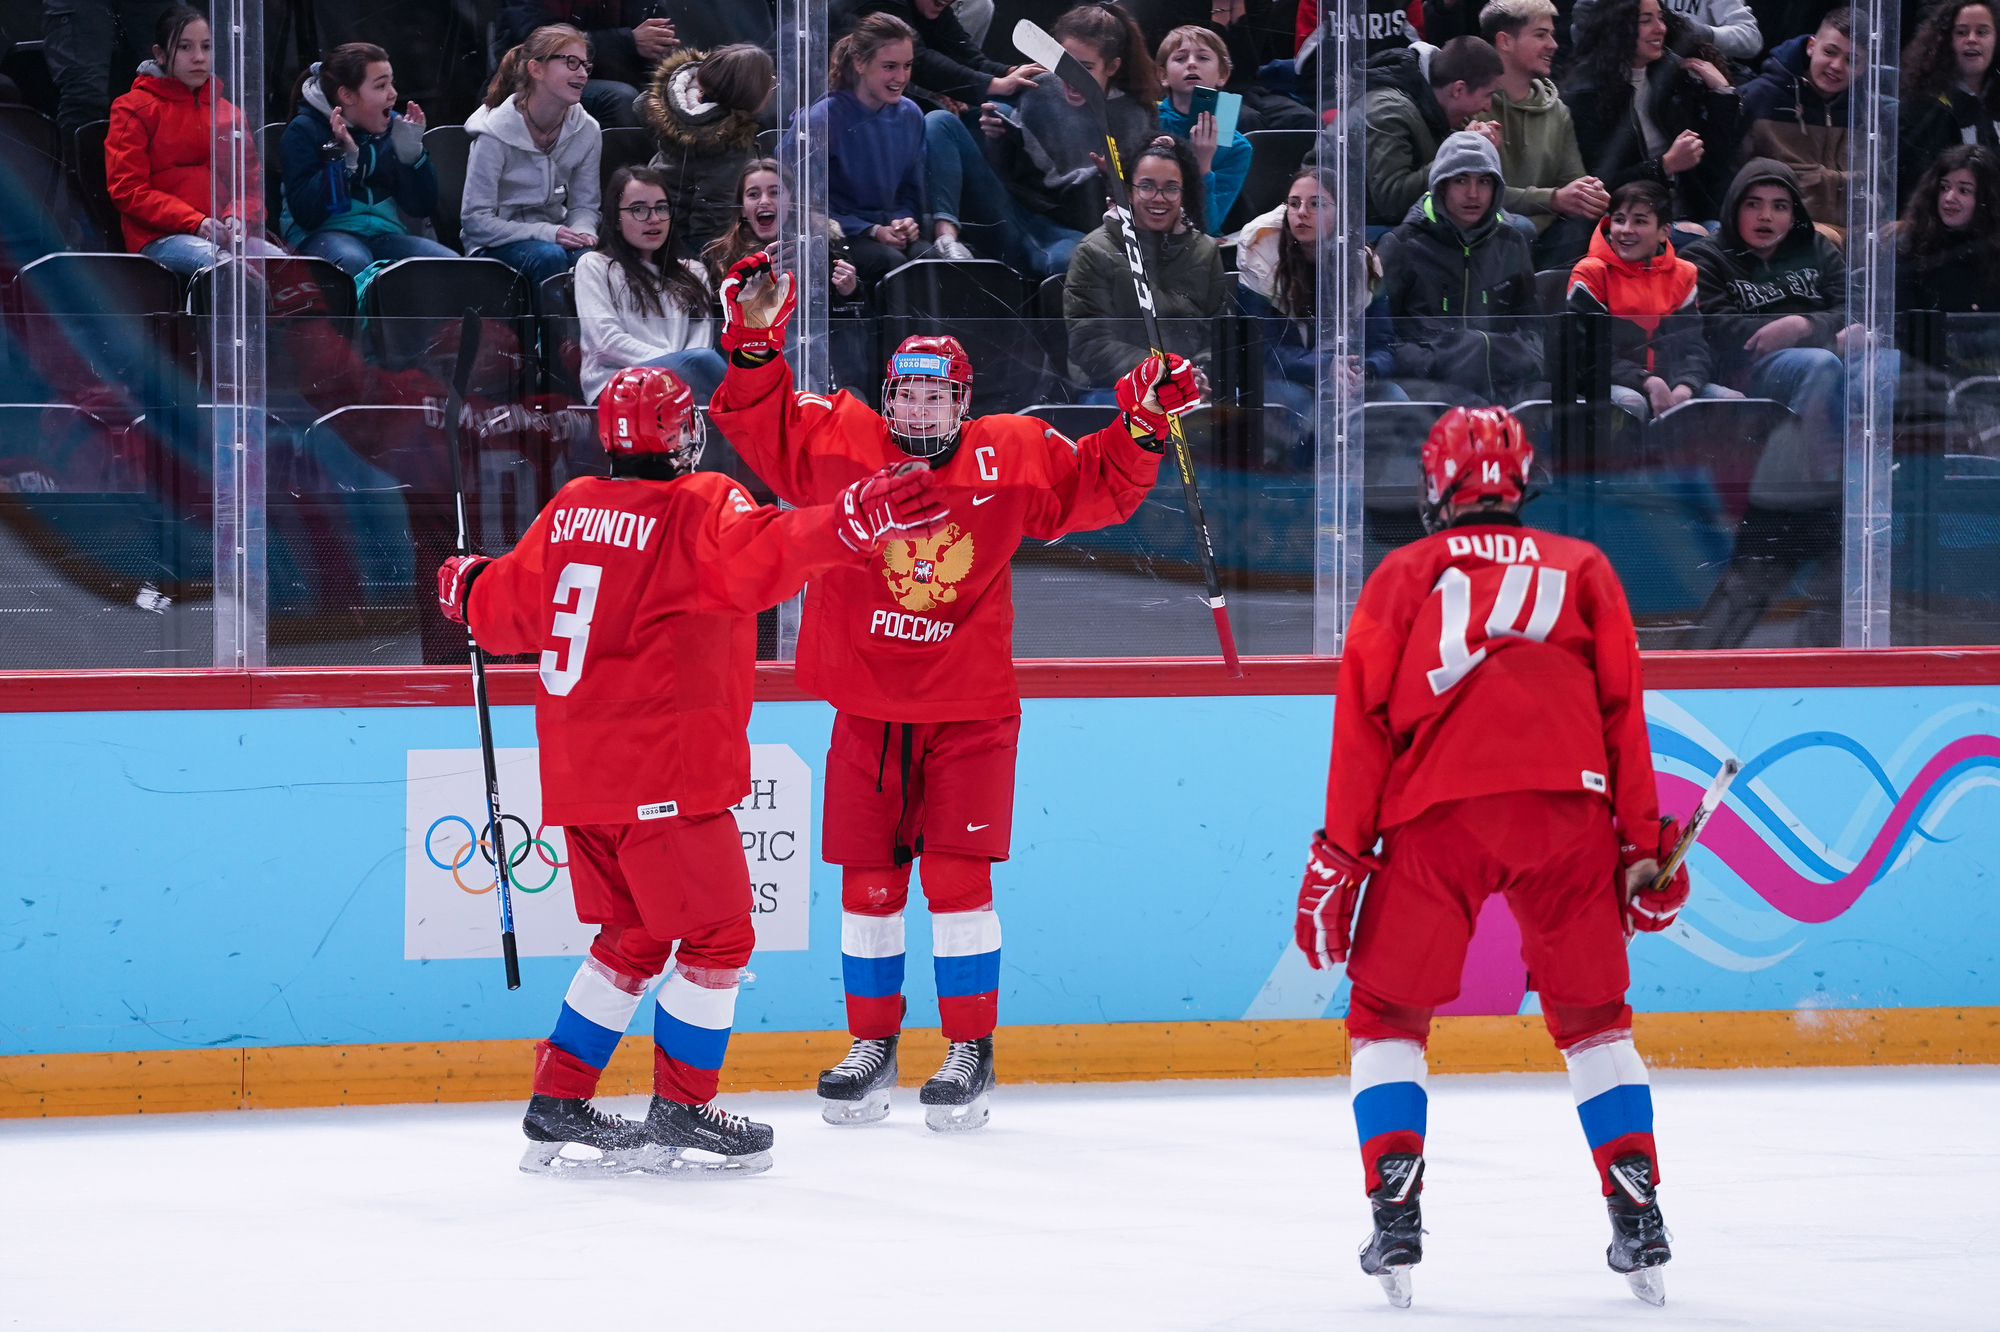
(915, 651)
(1490, 732)
(640, 591)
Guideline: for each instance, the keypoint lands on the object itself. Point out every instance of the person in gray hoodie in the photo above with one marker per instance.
(531, 188)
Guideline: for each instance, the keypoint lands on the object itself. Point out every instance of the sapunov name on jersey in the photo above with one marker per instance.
(925, 631)
(1486, 659)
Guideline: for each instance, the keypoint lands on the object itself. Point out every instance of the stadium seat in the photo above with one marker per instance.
(562, 335)
(622, 148)
(978, 301)
(85, 322)
(32, 202)
(59, 448)
(1052, 330)
(93, 193)
(273, 167)
(1723, 435)
(409, 301)
(1274, 156)
(1392, 479)
(1552, 290)
(450, 148)
(335, 288)
(1074, 419)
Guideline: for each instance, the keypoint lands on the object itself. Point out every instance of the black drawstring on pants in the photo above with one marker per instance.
(904, 853)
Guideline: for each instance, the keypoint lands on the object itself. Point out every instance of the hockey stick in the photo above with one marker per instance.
(1711, 800)
(468, 351)
(1047, 52)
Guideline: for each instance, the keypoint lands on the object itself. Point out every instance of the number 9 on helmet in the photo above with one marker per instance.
(1474, 457)
(646, 411)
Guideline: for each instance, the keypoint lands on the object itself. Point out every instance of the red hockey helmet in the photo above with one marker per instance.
(1474, 453)
(927, 393)
(647, 409)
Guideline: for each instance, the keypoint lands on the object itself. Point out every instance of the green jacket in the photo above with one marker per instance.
(1106, 335)
(1401, 144)
(1538, 152)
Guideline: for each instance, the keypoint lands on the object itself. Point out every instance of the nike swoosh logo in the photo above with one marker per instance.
(978, 500)
(975, 827)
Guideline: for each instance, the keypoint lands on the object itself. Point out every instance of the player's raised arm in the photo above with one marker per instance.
(1103, 478)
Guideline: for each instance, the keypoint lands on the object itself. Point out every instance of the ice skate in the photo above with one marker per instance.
(1398, 1242)
(856, 1090)
(570, 1136)
(702, 1140)
(955, 1097)
(1638, 1246)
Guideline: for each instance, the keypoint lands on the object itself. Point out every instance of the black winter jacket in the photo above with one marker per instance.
(701, 152)
(1461, 303)
(1928, 126)
(1616, 152)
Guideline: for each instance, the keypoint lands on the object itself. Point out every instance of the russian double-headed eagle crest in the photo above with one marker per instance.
(923, 573)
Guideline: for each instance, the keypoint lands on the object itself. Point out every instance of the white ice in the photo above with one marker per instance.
(1808, 1199)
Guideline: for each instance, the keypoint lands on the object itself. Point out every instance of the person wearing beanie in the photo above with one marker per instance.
(1460, 288)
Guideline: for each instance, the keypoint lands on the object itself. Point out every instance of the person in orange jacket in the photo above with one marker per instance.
(159, 154)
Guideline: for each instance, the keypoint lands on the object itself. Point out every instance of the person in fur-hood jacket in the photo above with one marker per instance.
(703, 105)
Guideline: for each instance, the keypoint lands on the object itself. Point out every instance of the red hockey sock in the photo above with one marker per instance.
(560, 1073)
(677, 1081)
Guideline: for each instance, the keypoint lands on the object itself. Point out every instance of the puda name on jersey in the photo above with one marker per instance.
(1500, 547)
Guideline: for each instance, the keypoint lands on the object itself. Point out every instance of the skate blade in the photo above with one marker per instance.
(1396, 1285)
(870, 1109)
(574, 1160)
(694, 1163)
(1649, 1284)
(957, 1118)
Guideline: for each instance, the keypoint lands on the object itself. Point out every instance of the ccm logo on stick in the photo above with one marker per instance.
(914, 628)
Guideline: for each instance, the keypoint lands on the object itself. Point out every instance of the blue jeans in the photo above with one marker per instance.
(188, 254)
(1810, 380)
(700, 368)
(351, 253)
(535, 260)
(966, 192)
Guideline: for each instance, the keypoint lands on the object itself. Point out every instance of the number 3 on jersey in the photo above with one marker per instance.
(574, 625)
(1456, 657)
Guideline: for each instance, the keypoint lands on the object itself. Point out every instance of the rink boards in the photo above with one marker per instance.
(278, 903)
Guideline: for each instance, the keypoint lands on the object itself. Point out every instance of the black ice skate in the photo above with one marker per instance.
(1638, 1246)
(856, 1090)
(570, 1136)
(1398, 1242)
(955, 1097)
(690, 1140)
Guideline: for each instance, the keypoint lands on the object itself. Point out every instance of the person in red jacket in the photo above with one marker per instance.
(640, 591)
(915, 652)
(1489, 731)
(159, 154)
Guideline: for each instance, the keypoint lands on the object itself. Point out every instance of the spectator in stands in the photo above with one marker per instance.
(1259, 36)
(1726, 28)
(704, 107)
(1038, 177)
(1460, 288)
(1797, 113)
(761, 200)
(1644, 113)
(159, 153)
(1949, 92)
(637, 301)
(352, 209)
(1546, 183)
(1774, 295)
(1416, 96)
(1107, 335)
(1948, 256)
(873, 137)
(1190, 58)
(626, 41)
(1278, 283)
(949, 65)
(1659, 358)
(88, 45)
(531, 191)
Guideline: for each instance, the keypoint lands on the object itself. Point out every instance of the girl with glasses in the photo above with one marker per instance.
(638, 301)
(531, 193)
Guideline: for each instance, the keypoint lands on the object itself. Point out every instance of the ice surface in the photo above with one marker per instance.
(1821, 1199)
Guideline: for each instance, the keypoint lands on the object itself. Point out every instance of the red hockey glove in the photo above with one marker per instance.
(1326, 901)
(1151, 394)
(757, 301)
(1653, 909)
(455, 577)
(900, 502)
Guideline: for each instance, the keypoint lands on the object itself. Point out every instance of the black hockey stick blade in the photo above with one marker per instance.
(470, 327)
(1036, 44)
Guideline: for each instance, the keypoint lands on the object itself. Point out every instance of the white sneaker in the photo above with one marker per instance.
(951, 247)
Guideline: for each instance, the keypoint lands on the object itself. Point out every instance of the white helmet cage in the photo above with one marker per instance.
(920, 430)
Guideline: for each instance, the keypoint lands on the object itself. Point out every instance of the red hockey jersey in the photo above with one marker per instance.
(1484, 659)
(925, 631)
(642, 598)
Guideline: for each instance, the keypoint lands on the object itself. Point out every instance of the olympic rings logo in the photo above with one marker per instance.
(517, 854)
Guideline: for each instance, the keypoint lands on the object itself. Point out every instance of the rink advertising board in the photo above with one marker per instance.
(197, 884)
